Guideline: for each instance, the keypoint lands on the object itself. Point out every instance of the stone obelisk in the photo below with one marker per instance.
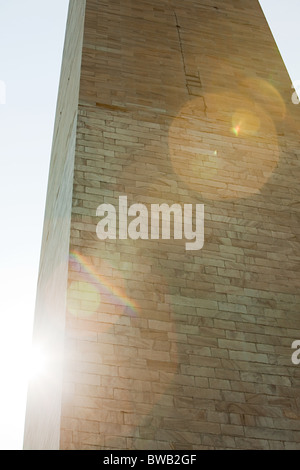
(149, 345)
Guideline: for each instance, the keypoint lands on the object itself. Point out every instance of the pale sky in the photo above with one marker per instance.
(31, 38)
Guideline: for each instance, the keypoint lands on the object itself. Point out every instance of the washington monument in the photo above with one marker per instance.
(150, 345)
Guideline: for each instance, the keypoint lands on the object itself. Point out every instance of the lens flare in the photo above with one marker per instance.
(97, 286)
(37, 362)
(207, 158)
(265, 93)
(236, 130)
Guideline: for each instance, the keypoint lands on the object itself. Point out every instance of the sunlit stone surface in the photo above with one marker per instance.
(154, 346)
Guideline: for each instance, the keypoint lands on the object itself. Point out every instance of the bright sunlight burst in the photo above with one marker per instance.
(37, 363)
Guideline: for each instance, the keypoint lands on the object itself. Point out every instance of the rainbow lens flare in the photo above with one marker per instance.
(98, 286)
(236, 130)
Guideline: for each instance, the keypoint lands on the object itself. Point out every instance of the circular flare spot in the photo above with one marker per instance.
(245, 123)
(266, 95)
(228, 153)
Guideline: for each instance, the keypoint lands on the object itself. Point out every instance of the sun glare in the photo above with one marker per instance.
(36, 362)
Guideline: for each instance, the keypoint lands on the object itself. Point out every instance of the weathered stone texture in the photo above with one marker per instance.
(184, 102)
